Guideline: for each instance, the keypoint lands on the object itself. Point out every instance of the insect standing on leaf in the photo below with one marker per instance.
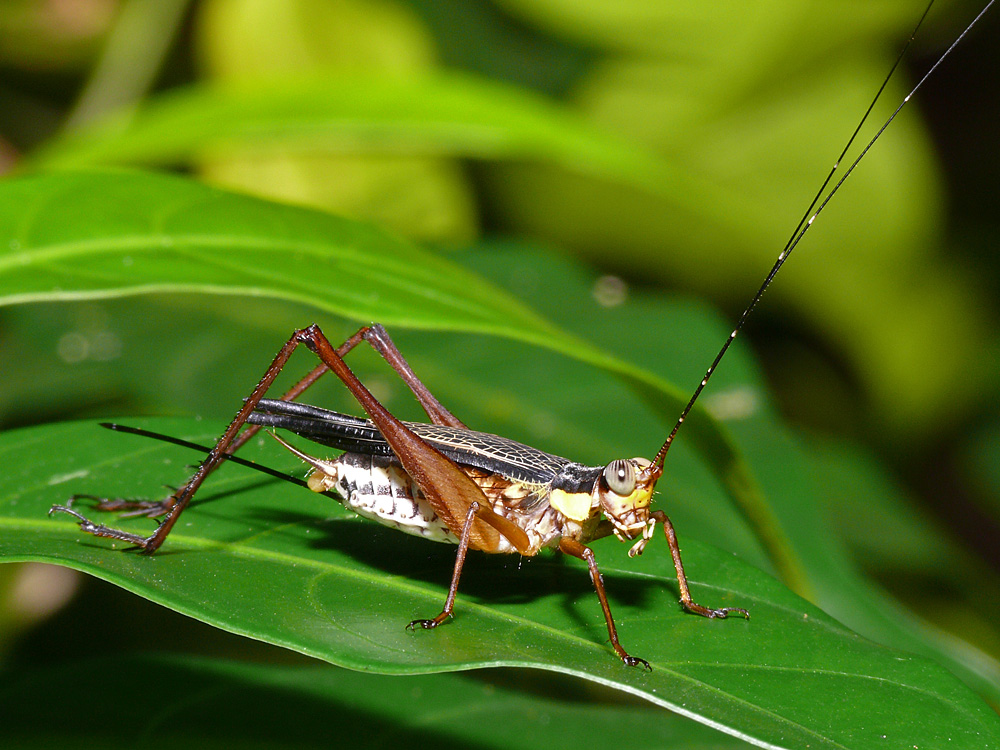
(440, 480)
(448, 483)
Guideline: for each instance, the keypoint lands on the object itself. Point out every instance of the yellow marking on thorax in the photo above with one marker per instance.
(575, 506)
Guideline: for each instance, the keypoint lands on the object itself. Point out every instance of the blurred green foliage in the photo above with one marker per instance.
(673, 145)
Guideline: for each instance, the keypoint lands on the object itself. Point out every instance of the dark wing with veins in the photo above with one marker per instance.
(344, 432)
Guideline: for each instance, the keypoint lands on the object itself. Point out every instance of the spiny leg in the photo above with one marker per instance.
(173, 505)
(99, 529)
(232, 439)
(448, 489)
(296, 390)
(463, 548)
(127, 507)
(572, 547)
(689, 604)
(378, 337)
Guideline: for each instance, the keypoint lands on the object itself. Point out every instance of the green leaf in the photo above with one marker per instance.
(499, 385)
(921, 562)
(730, 145)
(441, 113)
(85, 235)
(267, 706)
(759, 110)
(684, 32)
(677, 340)
(287, 566)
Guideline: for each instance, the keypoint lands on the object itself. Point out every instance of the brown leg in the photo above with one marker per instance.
(230, 441)
(133, 507)
(375, 335)
(295, 391)
(689, 604)
(378, 337)
(463, 548)
(448, 489)
(331, 358)
(175, 504)
(571, 547)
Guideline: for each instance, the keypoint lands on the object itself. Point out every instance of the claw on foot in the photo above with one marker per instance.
(724, 612)
(429, 624)
(635, 661)
(66, 509)
(425, 624)
(721, 614)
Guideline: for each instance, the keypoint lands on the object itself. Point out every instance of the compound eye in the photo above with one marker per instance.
(620, 477)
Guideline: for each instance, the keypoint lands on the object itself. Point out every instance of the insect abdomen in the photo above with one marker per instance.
(376, 488)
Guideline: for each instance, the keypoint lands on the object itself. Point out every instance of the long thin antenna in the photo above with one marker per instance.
(857, 130)
(805, 223)
(204, 449)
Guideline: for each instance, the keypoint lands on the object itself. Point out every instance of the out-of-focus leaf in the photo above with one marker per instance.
(419, 196)
(689, 32)
(982, 463)
(914, 556)
(441, 114)
(759, 108)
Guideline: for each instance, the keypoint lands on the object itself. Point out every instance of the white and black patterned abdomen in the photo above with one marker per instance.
(378, 489)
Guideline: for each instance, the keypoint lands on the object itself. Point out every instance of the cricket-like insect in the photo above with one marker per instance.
(448, 483)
